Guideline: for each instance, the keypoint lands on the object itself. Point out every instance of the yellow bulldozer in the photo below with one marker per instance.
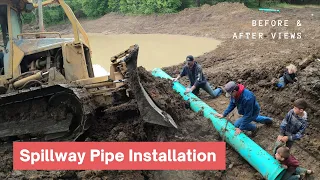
(48, 88)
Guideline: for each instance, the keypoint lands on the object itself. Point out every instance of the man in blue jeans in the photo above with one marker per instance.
(247, 105)
(197, 80)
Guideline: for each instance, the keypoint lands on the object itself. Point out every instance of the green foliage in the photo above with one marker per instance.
(124, 8)
(114, 5)
(146, 6)
(94, 8)
(28, 18)
(76, 6)
(187, 4)
(52, 15)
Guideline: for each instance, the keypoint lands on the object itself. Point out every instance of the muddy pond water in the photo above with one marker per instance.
(155, 50)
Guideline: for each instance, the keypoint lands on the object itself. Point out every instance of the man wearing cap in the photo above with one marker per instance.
(247, 105)
(197, 80)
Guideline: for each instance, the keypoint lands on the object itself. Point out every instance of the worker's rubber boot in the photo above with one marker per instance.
(269, 123)
(254, 132)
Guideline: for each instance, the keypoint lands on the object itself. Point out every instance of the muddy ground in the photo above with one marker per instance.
(252, 62)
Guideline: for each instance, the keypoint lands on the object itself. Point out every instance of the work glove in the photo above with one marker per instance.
(174, 79)
(188, 90)
(219, 115)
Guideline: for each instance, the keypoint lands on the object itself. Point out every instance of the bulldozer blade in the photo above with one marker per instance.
(149, 111)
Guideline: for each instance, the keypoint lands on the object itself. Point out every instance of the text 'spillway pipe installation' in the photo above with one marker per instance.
(261, 160)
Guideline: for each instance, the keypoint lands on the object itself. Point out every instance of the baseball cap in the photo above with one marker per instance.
(189, 58)
(230, 86)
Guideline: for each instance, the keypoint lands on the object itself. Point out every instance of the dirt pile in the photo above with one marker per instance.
(192, 127)
(220, 21)
(128, 125)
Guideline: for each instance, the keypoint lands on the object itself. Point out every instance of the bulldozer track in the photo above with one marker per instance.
(39, 113)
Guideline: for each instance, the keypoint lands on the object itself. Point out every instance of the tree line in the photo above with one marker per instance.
(96, 8)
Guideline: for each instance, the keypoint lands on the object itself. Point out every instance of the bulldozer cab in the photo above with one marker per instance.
(4, 35)
(16, 48)
(10, 28)
(3, 26)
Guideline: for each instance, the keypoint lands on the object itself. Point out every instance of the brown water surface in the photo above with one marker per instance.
(156, 50)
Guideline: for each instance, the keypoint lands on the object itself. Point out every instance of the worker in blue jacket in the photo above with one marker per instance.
(247, 105)
(197, 79)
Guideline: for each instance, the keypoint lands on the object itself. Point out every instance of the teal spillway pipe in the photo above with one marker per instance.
(269, 10)
(261, 160)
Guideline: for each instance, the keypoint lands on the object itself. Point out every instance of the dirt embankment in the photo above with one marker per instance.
(220, 21)
(253, 62)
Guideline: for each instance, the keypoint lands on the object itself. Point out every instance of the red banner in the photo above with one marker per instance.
(119, 155)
